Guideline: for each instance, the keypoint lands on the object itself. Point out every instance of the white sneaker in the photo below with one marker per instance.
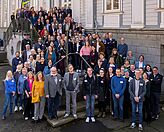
(66, 115)
(33, 118)
(20, 108)
(93, 119)
(87, 120)
(26, 118)
(16, 109)
(75, 116)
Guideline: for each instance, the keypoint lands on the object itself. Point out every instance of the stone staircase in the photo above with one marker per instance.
(3, 58)
(81, 113)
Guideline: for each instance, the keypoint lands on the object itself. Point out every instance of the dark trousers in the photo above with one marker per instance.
(146, 110)
(155, 98)
(127, 107)
(76, 61)
(28, 107)
(62, 67)
(102, 106)
(53, 105)
(85, 66)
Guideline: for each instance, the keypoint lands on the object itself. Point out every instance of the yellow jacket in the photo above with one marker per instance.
(37, 90)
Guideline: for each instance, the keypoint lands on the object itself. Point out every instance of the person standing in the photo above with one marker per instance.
(16, 60)
(71, 86)
(102, 93)
(20, 89)
(90, 94)
(123, 49)
(156, 82)
(10, 89)
(38, 97)
(146, 103)
(127, 102)
(118, 85)
(53, 91)
(28, 105)
(137, 90)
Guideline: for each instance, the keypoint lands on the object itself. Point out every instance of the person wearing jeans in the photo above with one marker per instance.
(137, 90)
(89, 93)
(118, 85)
(71, 86)
(20, 88)
(10, 89)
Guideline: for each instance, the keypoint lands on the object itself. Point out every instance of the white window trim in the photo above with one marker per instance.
(105, 11)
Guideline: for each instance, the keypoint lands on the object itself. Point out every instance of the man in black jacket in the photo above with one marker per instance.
(90, 93)
(110, 44)
(26, 41)
(156, 82)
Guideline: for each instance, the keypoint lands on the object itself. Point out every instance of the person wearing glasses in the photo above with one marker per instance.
(71, 86)
(156, 82)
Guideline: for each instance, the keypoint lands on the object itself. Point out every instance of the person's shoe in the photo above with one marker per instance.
(87, 120)
(16, 109)
(133, 125)
(93, 119)
(66, 115)
(140, 128)
(103, 115)
(157, 117)
(99, 114)
(75, 116)
(3, 117)
(33, 118)
(26, 118)
(20, 108)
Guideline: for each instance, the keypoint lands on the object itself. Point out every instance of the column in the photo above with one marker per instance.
(89, 13)
(138, 14)
(76, 10)
(162, 14)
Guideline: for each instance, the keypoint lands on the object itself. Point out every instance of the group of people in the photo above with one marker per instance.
(113, 75)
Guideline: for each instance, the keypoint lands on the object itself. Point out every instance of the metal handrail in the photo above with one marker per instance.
(9, 33)
(7, 36)
(73, 54)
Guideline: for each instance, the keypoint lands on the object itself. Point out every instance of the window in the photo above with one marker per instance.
(112, 5)
(67, 3)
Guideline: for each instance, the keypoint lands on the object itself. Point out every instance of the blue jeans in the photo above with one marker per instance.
(134, 108)
(118, 107)
(90, 103)
(18, 97)
(8, 100)
(53, 105)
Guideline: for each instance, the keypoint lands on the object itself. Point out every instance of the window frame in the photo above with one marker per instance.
(112, 6)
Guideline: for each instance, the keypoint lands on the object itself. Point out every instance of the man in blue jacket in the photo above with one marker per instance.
(118, 85)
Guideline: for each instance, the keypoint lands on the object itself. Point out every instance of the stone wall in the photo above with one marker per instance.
(150, 43)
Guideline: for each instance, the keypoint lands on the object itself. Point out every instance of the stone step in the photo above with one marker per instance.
(63, 121)
(81, 113)
(80, 107)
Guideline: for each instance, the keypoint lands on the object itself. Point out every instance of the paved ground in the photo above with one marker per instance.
(16, 123)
